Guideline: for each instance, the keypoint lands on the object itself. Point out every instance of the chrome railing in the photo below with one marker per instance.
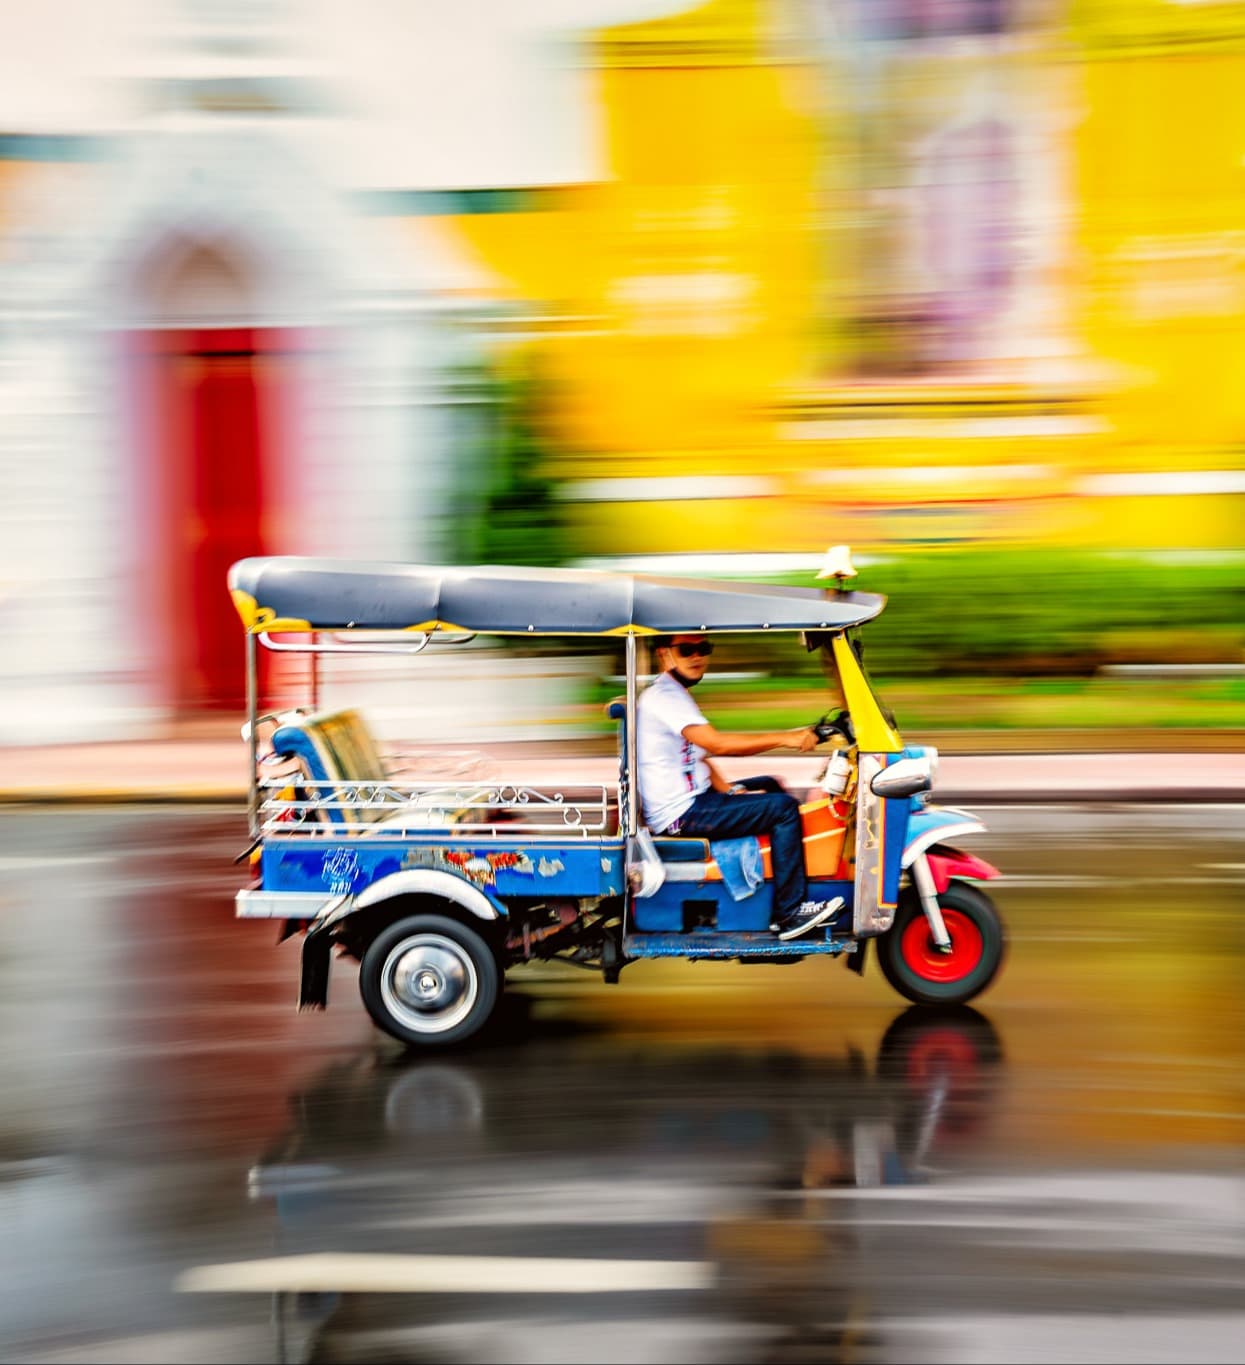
(294, 806)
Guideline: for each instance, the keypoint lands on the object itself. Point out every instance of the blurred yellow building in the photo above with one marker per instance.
(787, 272)
(901, 273)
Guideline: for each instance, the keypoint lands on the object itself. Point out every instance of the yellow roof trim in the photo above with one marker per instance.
(267, 622)
(263, 620)
(426, 627)
(245, 605)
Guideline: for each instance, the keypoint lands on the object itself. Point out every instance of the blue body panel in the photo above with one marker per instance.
(579, 869)
(896, 814)
(665, 913)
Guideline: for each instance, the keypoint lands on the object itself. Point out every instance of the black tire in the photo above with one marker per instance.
(920, 973)
(429, 981)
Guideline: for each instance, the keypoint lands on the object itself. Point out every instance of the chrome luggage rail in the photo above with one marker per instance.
(295, 807)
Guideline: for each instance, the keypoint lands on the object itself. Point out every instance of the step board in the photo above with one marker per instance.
(717, 943)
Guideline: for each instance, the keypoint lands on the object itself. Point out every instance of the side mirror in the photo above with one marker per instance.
(905, 777)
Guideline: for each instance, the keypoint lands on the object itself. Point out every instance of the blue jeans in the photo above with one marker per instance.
(772, 811)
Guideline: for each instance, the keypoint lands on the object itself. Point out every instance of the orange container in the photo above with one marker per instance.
(824, 831)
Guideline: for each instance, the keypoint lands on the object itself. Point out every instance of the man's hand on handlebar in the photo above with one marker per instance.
(804, 738)
(829, 726)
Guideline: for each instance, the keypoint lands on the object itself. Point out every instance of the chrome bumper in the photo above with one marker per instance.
(282, 904)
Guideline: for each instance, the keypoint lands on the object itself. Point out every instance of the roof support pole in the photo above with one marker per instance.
(633, 823)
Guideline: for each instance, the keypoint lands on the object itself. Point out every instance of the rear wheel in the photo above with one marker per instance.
(429, 981)
(916, 968)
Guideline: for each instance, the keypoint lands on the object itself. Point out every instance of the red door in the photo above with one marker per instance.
(208, 413)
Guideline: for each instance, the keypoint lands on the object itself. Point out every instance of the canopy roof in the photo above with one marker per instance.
(299, 594)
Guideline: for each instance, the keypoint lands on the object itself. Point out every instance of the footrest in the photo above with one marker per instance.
(718, 944)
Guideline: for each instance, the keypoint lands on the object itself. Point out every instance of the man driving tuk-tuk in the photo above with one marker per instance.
(684, 793)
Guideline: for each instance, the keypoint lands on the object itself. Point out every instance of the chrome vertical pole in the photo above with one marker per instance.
(633, 823)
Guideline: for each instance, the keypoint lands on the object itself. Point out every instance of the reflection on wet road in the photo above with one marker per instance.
(705, 1162)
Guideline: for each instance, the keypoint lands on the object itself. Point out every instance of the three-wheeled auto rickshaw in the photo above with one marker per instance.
(439, 887)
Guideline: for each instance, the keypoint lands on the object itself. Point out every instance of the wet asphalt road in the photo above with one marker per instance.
(824, 1173)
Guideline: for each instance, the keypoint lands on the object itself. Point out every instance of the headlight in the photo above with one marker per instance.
(905, 777)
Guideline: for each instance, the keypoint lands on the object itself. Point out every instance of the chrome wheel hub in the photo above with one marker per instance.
(429, 983)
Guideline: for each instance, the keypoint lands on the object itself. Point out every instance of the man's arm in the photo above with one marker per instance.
(720, 783)
(723, 745)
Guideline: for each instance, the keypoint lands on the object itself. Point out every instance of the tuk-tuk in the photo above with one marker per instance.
(439, 887)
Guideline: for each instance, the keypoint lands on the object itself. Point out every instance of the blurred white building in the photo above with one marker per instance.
(229, 322)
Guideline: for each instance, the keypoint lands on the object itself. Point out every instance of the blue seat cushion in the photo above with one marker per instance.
(671, 850)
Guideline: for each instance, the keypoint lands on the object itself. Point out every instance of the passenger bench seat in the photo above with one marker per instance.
(335, 746)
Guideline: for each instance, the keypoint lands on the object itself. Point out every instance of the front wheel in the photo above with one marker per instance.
(429, 981)
(920, 972)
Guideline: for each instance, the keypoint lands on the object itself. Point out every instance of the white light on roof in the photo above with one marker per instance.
(837, 563)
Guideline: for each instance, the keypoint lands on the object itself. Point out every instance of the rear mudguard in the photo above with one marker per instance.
(424, 881)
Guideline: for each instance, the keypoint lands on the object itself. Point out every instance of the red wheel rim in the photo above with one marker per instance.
(924, 960)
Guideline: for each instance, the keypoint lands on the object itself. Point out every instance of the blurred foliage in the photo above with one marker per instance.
(1011, 640)
(998, 703)
(1052, 611)
(506, 510)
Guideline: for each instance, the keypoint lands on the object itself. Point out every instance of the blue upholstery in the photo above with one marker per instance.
(334, 747)
(689, 850)
(617, 710)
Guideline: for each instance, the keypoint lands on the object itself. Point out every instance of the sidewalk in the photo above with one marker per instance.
(211, 768)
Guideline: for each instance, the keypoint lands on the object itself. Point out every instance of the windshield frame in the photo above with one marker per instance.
(873, 723)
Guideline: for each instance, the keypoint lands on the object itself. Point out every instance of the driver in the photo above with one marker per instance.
(683, 793)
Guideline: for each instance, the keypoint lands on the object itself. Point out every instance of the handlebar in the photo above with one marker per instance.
(829, 726)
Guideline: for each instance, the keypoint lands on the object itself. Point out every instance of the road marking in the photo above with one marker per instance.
(344, 1272)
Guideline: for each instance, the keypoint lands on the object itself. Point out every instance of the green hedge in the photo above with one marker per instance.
(1050, 611)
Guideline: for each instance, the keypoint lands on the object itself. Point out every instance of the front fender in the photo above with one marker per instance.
(949, 862)
(929, 825)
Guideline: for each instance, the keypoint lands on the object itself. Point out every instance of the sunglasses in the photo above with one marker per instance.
(686, 651)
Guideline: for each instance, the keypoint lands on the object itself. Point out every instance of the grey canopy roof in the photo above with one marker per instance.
(285, 593)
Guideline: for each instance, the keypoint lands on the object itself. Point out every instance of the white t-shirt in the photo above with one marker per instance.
(672, 770)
